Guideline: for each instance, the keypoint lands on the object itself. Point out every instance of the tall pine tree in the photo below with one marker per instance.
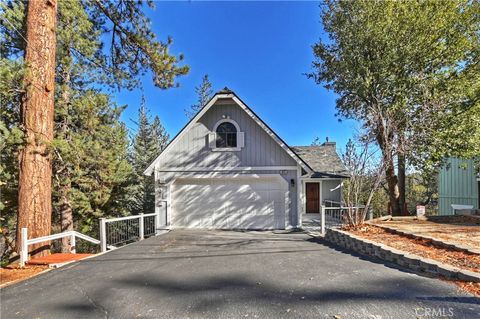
(91, 173)
(148, 142)
(204, 94)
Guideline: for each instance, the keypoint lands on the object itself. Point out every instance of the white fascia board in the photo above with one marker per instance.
(226, 169)
(214, 175)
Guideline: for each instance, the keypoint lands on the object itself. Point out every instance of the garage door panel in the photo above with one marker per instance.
(242, 196)
(228, 203)
(260, 208)
(245, 221)
(221, 218)
(276, 196)
(262, 195)
(260, 222)
(200, 222)
(193, 215)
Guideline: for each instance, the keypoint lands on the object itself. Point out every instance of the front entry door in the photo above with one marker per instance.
(313, 198)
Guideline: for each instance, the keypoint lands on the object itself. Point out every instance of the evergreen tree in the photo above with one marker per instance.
(160, 135)
(37, 111)
(11, 135)
(148, 142)
(92, 160)
(204, 94)
(92, 175)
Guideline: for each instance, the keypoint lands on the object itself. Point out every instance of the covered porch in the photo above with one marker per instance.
(318, 192)
(323, 186)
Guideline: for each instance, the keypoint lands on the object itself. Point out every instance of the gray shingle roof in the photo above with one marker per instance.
(323, 159)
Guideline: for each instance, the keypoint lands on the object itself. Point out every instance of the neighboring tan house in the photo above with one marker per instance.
(227, 169)
(458, 185)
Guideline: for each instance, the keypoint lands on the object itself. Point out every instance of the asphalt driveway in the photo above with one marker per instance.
(215, 274)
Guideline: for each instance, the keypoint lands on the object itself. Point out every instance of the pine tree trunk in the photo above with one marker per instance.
(35, 161)
(401, 183)
(66, 216)
(66, 212)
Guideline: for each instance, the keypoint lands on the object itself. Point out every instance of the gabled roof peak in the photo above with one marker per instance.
(242, 105)
(225, 90)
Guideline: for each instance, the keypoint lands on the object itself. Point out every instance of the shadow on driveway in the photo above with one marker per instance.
(193, 274)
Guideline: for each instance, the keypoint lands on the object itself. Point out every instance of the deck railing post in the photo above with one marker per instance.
(24, 250)
(72, 243)
(103, 235)
(140, 230)
(323, 220)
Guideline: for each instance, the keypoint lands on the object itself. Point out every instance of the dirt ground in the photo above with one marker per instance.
(11, 274)
(58, 258)
(471, 287)
(462, 234)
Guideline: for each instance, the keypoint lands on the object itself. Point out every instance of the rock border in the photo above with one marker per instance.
(401, 258)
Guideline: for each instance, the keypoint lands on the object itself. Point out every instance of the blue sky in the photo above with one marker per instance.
(261, 50)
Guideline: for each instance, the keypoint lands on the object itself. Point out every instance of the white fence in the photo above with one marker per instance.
(113, 231)
(72, 234)
(122, 230)
(335, 216)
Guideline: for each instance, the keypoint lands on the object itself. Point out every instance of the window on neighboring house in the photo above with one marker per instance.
(226, 135)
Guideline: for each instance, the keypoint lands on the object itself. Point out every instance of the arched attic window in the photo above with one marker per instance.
(226, 136)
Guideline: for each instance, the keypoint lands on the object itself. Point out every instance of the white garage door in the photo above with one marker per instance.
(227, 203)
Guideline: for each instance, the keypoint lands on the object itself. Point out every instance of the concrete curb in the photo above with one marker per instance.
(401, 258)
(436, 242)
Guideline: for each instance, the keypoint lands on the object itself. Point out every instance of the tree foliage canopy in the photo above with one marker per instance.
(414, 65)
(101, 45)
(409, 71)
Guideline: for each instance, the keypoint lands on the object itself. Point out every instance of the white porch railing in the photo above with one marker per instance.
(72, 234)
(121, 230)
(333, 216)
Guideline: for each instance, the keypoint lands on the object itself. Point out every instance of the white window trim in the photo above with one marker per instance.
(226, 149)
(226, 121)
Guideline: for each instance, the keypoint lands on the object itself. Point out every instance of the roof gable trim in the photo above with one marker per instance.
(240, 103)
